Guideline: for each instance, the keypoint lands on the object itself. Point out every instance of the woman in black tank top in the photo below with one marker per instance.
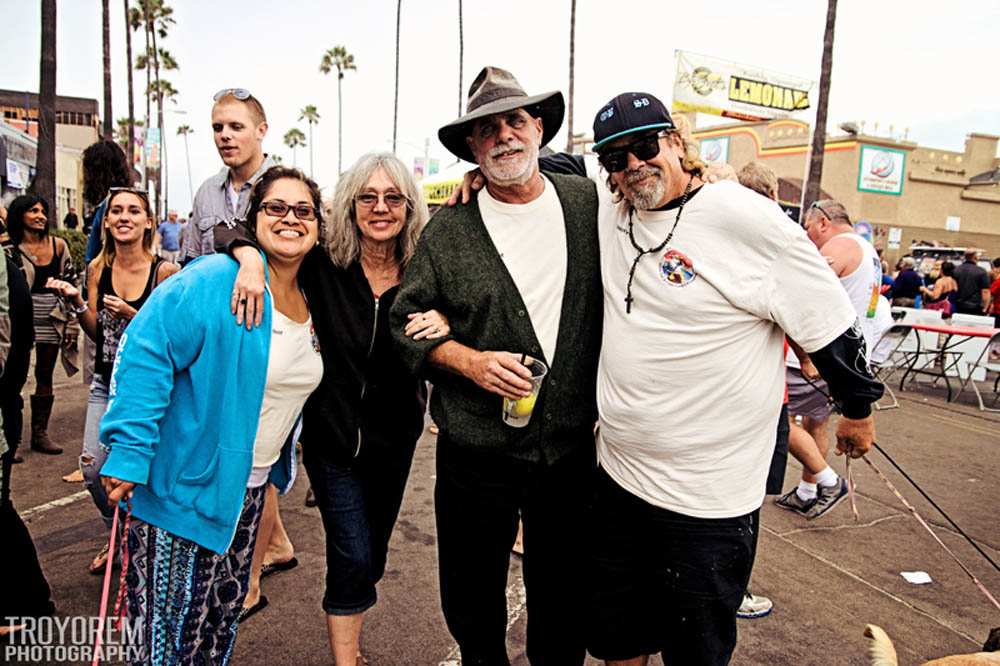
(119, 280)
(41, 258)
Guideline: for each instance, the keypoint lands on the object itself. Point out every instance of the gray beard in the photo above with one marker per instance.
(513, 174)
(647, 197)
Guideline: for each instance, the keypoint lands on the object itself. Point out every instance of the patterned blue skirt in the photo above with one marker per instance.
(183, 599)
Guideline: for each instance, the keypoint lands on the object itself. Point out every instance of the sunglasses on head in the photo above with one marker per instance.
(138, 191)
(279, 209)
(644, 148)
(241, 94)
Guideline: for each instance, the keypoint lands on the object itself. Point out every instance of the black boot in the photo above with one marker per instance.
(41, 409)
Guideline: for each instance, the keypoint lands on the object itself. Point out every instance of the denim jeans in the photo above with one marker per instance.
(94, 453)
(359, 503)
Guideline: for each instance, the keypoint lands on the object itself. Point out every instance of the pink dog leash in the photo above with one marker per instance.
(119, 611)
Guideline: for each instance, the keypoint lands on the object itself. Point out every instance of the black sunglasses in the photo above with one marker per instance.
(279, 209)
(644, 148)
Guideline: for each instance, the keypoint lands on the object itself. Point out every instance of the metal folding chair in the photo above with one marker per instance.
(889, 355)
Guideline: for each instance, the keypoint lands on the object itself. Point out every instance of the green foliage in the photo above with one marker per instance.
(77, 242)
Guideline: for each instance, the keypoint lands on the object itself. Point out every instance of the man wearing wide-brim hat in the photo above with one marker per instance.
(516, 272)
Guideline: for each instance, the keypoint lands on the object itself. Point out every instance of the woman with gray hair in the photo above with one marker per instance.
(356, 451)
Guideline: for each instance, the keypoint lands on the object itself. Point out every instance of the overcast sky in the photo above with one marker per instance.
(929, 68)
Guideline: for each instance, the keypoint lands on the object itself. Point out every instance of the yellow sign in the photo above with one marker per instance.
(436, 194)
(770, 95)
(723, 88)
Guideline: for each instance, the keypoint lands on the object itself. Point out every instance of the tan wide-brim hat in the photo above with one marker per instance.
(496, 90)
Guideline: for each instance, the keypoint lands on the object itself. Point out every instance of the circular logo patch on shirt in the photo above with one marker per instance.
(676, 269)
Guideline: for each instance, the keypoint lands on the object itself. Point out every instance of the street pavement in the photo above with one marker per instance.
(828, 578)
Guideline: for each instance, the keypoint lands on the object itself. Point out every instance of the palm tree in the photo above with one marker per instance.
(395, 104)
(161, 19)
(44, 183)
(338, 57)
(293, 139)
(131, 99)
(311, 116)
(461, 54)
(122, 130)
(572, 51)
(811, 192)
(106, 39)
(184, 130)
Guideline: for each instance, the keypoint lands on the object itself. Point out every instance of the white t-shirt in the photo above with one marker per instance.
(531, 240)
(690, 382)
(294, 370)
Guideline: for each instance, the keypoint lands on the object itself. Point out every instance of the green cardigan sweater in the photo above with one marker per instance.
(457, 270)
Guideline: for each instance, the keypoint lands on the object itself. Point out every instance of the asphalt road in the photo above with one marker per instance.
(827, 578)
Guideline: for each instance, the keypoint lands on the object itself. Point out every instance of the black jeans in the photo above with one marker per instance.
(478, 498)
(665, 582)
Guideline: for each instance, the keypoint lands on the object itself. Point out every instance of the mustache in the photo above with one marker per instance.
(632, 177)
(507, 147)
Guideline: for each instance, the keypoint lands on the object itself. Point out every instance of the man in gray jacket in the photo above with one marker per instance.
(517, 273)
(239, 126)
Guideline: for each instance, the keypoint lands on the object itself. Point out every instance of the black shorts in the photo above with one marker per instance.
(776, 475)
(664, 582)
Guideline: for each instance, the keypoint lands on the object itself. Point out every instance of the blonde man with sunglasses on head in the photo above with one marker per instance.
(239, 126)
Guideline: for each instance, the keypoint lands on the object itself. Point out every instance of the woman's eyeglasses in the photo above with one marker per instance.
(280, 209)
(391, 199)
(644, 148)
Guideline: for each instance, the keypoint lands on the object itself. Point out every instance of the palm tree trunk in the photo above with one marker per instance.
(109, 132)
(811, 191)
(310, 150)
(131, 97)
(187, 156)
(160, 197)
(572, 51)
(461, 55)
(144, 4)
(395, 104)
(45, 165)
(149, 74)
(340, 127)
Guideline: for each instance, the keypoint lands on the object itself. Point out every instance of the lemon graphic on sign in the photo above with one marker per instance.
(524, 406)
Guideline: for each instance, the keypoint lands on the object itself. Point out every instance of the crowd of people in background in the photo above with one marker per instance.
(612, 272)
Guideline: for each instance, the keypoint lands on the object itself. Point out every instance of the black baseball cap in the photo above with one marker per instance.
(628, 113)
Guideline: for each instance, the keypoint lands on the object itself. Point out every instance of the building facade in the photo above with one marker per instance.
(909, 194)
(77, 123)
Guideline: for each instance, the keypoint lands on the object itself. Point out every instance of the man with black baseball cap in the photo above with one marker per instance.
(499, 268)
(700, 280)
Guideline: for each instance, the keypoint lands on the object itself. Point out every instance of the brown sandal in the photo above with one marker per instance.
(98, 564)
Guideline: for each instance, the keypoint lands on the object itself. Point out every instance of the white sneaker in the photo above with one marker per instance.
(754, 606)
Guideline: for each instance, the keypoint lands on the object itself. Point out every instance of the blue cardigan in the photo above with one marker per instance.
(185, 399)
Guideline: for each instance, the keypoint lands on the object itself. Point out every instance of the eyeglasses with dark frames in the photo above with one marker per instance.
(391, 199)
(279, 209)
(644, 148)
(241, 94)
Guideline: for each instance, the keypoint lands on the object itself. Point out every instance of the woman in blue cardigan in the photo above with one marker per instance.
(191, 465)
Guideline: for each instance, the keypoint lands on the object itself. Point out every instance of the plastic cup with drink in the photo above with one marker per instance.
(517, 413)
